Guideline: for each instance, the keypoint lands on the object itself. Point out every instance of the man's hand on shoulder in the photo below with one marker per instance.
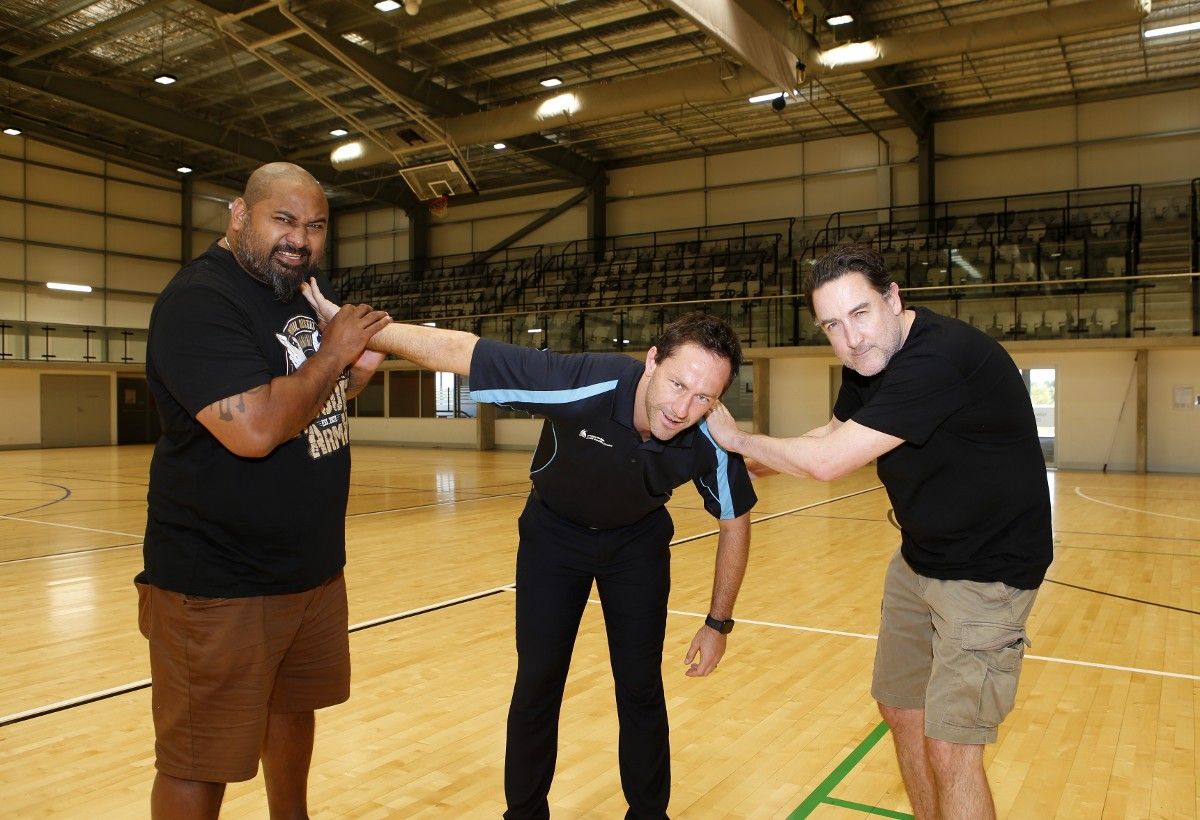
(724, 428)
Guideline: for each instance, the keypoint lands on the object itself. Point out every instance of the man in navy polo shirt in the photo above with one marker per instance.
(619, 436)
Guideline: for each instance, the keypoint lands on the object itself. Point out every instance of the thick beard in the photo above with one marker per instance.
(282, 280)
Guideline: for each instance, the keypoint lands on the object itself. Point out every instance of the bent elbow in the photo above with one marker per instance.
(827, 471)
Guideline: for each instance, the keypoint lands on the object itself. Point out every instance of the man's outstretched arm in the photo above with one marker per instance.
(431, 348)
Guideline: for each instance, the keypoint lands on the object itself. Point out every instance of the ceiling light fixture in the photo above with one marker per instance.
(12, 132)
(550, 82)
(563, 104)
(429, 324)
(183, 169)
(165, 78)
(840, 20)
(67, 286)
(499, 146)
(850, 54)
(762, 98)
(1167, 30)
(338, 132)
(387, 5)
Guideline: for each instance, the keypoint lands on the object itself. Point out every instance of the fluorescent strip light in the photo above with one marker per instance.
(429, 324)
(13, 132)
(840, 20)
(534, 330)
(1179, 29)
(762, 98)
(499, 146)
(66, 286)
(550, 82)
(387, 5)
(165, 78)
(850, 54)
(183, 169)
(338, 132)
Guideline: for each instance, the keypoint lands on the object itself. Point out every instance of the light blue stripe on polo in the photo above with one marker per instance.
(723, 496)
(507, 396)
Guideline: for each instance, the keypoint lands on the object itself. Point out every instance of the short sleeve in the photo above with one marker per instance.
(724, 483)
(536, 381)
(204, 349)
(917, 392)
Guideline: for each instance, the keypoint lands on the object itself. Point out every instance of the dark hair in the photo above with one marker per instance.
(705, 330)
(847, 259)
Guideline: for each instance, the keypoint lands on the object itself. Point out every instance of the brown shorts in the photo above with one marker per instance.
(952, 648)
(219, 666)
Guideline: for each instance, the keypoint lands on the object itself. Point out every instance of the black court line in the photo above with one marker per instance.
(892, 518)
(67, 553)
(64, 497)
(1162, 553)
(1124, 597)
(136, 687)
(1127, 535)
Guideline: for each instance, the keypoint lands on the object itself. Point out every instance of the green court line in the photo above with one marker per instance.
(821, 795)
(848, 804)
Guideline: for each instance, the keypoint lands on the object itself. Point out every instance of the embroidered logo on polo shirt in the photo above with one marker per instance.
(585, 434)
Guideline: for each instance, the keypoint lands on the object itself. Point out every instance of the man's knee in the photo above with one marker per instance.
(947, 757)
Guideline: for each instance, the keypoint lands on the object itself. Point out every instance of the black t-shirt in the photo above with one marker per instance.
(591, 466)
(968, 484)
(221, 525)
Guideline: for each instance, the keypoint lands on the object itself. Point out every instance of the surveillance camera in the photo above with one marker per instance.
(779, 102)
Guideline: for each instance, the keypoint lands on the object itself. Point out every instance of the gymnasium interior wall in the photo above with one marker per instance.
(64, 215)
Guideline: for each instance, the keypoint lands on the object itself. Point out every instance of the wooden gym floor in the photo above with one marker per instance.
(1105, 724)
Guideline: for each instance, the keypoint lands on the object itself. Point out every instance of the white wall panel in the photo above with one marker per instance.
(65, 188)
(657, 213)
(1147, 161)
(118, 171)
(861, 151)
(764, 200)
(12, 260)
(62, 158)
(128, 311)
(140, 238)
(760, 164)
(840, 192)
(12, 178)
(210, 215)
(64, 227)
(1003, 132)
(1173, 433)
(12, 146)
(12, 219)
(12, 302)
(1052, 169)
(641, 180)
(143, 202)
(352, 252)
(59, 307)
(127, 273)
(62, 265)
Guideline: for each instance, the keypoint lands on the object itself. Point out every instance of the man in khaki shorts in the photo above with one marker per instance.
(242, 597)
(944, 409)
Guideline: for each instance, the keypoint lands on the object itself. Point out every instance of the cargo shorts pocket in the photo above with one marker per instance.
(1000, 647)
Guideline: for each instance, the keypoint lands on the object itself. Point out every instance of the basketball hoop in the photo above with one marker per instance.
(438, 206)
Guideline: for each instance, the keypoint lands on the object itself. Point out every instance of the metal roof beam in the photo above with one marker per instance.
(175, 124)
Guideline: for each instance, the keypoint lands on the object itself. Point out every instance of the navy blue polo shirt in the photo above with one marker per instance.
(591, 466)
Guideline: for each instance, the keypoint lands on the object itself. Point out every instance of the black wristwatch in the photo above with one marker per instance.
(724, 627)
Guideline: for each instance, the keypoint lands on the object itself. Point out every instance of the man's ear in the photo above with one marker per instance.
(650, 363)
(238, 213)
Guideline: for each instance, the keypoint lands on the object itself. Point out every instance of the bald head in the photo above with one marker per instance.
(264, 178)
(277, 227)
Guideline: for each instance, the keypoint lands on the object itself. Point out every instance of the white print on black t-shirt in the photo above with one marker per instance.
(585, 434)
(329, 431)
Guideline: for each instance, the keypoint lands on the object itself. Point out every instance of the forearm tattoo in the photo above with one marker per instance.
(225, 407)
